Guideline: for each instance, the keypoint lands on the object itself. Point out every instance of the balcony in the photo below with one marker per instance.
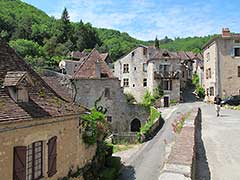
(166, 75)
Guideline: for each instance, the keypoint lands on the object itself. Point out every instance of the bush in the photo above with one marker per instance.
(195, 80)
(148, 99)
(95, 125)
(130, 98)
(111, 172)
(200, 92)
(144, 130)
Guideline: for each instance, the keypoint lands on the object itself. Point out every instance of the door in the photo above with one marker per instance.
(166, 101)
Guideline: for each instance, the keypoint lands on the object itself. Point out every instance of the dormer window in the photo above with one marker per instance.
(17, 83)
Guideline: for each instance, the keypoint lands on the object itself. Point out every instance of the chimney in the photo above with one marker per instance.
(98, 69)
(226, 32)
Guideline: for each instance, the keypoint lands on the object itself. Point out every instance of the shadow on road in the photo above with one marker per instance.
(127, 173)
(202, 168)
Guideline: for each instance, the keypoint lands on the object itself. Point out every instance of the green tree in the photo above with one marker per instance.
(65, 26)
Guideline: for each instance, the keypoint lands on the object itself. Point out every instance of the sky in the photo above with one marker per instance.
(146, 19)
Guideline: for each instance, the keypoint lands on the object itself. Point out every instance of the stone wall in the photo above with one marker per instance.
(71, 151)
(181, 161)
(91, 91)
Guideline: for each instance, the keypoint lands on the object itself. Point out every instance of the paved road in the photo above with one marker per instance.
(221, 140)
(146, 162)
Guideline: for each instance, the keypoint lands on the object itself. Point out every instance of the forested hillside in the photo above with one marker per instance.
(43, 41)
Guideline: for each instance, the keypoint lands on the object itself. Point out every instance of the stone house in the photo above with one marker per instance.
(70, 66)
(40, 132)
(222, 65)
(164, 71)
(146, 68)
(95, 86)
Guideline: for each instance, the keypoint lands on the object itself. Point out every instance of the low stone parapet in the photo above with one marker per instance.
(180, 164)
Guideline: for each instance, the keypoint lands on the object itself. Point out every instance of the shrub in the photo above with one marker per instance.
(148, 99)
(95, 125)
(144, 130)
(130, 98)
(200, 92)
(195, 80)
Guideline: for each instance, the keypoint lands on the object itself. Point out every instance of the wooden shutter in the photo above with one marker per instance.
(19, 163)
(52, 156)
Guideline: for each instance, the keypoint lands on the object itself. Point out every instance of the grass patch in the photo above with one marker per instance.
(122, 147)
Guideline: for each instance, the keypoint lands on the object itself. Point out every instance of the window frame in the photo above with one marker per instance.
(234, 51)
(125, 82)
(144, 67)
(125, 68)
(30, 172)
(145, 82)
(238, 72)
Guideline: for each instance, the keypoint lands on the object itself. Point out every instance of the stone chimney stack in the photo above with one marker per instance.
(226, 32)
(98, 69)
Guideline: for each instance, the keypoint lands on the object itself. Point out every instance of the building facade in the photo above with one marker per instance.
(222, 65)
(94, 86)
(40, 132)
(146, 68)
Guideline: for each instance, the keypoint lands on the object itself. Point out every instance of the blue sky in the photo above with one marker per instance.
(144, 19)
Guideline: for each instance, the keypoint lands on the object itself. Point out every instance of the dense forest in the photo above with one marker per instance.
(43, 41)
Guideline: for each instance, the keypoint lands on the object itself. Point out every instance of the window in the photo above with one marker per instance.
(207, 91)
(211, 91)
(167, 85)
(144, 51)
(125, 68)
(208, 56)
(144, 82)
(238, 71)
(135, 68)
(107, 92)
(144, 67)
(133, 85)
(164, 68)
(133, 53)
(237, 51)
(209, 73)
(109, 119)
(35, 161)
(183, 74)
(125, 82)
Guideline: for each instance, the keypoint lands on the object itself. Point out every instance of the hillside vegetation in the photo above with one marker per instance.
(43, 41)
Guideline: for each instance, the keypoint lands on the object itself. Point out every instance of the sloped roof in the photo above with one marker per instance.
(87, 69)
(13, 78)
(44, 102)
(164, 54)
(183, 55)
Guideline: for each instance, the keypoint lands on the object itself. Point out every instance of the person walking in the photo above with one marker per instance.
(217, 102)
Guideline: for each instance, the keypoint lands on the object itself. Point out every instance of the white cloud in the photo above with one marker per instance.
(144, 19)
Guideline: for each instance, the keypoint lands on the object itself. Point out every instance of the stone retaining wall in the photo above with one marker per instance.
(181, 161)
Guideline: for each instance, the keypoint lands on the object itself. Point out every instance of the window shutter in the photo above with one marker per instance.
(170, 84)
(52, 156)
(19, 164)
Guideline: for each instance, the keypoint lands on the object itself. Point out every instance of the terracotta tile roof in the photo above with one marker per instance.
(87, 69)
(44, 102)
